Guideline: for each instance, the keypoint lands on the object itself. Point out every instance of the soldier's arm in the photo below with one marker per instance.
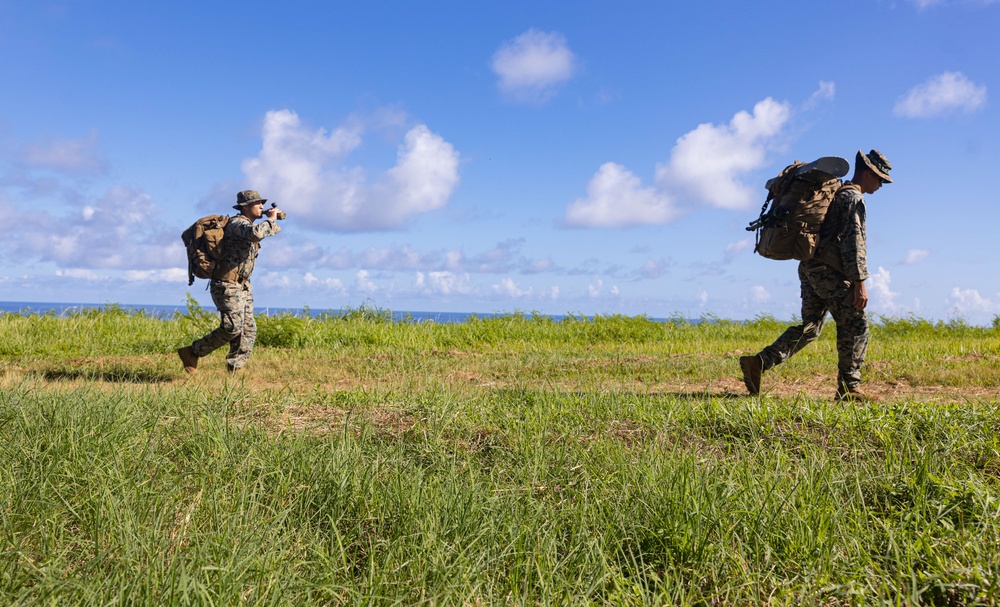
(251, 232)
(854, 248)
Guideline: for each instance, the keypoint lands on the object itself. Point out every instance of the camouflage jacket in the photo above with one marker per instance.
(239, 247)
(842, 240)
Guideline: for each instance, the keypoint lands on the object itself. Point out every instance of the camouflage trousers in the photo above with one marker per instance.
(825, 290)
(237, 326)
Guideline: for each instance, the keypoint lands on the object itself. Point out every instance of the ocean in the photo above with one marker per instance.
(65, 309)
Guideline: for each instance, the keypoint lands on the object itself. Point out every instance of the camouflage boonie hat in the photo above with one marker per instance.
(247, 197)
(875, 161)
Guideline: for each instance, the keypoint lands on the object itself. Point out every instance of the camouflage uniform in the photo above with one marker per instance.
(827, 285)
(232, 292)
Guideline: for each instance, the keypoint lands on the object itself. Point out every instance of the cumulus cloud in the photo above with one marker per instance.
(707, 165)
(509, 288)
(968, 302)
(710, 162)
(306, 171)
(946, 93)
(443, 283)
(616, 198)
(883, 298)
(333, 284)
(362, 282)
(915, 256)
(531, 66)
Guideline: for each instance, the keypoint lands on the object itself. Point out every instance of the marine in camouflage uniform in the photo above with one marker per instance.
(833, 282)
(230, 286)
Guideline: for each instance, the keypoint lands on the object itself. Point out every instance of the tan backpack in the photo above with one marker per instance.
(798, 197)
(203, 241)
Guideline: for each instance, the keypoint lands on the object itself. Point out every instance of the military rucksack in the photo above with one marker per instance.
(203, 241)
(796, 204)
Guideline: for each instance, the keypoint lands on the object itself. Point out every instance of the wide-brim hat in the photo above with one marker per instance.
(877, 162)
(248, 197)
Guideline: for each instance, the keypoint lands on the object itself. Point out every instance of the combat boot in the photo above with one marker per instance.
(752, 367)
(847, 393)
(188, 358)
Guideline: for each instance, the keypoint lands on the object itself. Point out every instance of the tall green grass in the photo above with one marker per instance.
(511, 460)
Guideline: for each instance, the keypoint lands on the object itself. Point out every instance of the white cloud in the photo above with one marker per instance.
(758, 294)
(361, 282)
(706, 165)
(948, 92)
(914, 256)
(334, 284)
(616, 198)
(510, 288)
(306, 172)
(702, 297)
(596, 289)
(168, 275)
(80, 273)
(709, 162)
(968, 301)
(533, 64)
(883, 298)
(443, 283)
(734, 248)
(925, 4)
(826, 91)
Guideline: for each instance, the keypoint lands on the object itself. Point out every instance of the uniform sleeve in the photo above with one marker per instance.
(254, 233)
(854, 249)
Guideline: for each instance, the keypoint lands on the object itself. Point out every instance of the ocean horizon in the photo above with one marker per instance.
(167, 311)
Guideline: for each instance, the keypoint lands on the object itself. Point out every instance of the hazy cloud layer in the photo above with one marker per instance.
(947, 93)
(925, 4)
(68, 156)
(306, 170)
(532, 66)
(707, 166)
(116, 231)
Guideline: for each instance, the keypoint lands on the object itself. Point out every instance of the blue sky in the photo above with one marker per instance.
(561, 157)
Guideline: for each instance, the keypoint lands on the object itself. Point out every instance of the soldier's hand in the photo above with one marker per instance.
(272, 213)
(860, 295)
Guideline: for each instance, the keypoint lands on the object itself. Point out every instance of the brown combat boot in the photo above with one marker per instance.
(847, 394)
(752, 367)
(189, 358)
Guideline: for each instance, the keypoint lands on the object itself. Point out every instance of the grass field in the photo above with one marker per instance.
(506, 461)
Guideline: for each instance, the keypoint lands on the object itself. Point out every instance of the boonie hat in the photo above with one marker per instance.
(875, 161)
(247, 197)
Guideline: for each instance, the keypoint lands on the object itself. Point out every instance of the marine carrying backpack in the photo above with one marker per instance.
(798, 197)
(203, 241)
